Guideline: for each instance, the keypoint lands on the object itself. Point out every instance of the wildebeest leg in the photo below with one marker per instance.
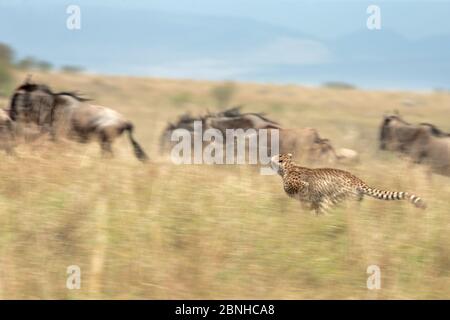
(11, 152)
(79, 136)
(53, 135)
(359, 196)
(105, 143)
(47, 129)
(429, 174)
(106, 149)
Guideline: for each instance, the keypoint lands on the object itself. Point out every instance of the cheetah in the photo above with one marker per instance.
(322, 188)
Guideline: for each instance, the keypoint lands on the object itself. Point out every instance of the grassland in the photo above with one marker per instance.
(161, 231)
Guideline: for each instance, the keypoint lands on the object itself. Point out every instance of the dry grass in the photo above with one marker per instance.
(166, 231)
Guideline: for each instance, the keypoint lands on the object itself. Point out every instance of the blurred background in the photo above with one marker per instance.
(162, 231)
(286, 41)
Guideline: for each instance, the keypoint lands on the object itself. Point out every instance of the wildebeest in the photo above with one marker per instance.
(424, 143)
(229, 119)
(234, 119)
(185, 121)
(432, 149)
(66, 114)
(305, 143)
(396, 134)
(7, 136)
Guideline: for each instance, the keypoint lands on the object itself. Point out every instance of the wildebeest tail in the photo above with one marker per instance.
(394, 195)
(138, 151)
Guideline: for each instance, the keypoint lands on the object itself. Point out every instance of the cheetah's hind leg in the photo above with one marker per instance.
(318, 207)
(305, 206)
(359, 196)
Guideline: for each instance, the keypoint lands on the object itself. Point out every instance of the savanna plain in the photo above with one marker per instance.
(166, 231)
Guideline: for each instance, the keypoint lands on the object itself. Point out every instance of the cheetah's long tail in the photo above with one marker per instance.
(394, 195)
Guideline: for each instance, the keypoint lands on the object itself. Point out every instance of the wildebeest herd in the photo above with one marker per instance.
(305, 143)
(67, 114)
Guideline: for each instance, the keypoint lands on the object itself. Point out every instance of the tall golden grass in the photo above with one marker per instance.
(162, 231)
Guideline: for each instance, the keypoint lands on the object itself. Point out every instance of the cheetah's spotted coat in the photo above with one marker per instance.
(324, 187)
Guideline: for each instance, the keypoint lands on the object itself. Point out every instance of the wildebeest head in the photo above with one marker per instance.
(396, 134)
(31, 103)
(385, 131)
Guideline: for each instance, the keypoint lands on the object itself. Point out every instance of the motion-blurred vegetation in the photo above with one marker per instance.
(30, 63)
(223, 94)
(9, 62)
(338, 85)
(71, 69)
(161, 231)
(6, 58)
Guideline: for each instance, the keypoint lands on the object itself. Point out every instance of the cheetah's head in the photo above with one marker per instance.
(280, 161)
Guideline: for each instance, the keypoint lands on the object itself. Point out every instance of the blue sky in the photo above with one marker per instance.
(325, 18)
(282, 41)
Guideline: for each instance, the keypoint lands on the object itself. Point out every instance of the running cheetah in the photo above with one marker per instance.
(323, 188)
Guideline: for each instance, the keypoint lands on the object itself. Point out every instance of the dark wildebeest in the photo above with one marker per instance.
(432, 148)
(69, 115)
(423, 143)
(185, 121)
(305, 143)
(228, 119)
(234, 119)
(396, 134)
